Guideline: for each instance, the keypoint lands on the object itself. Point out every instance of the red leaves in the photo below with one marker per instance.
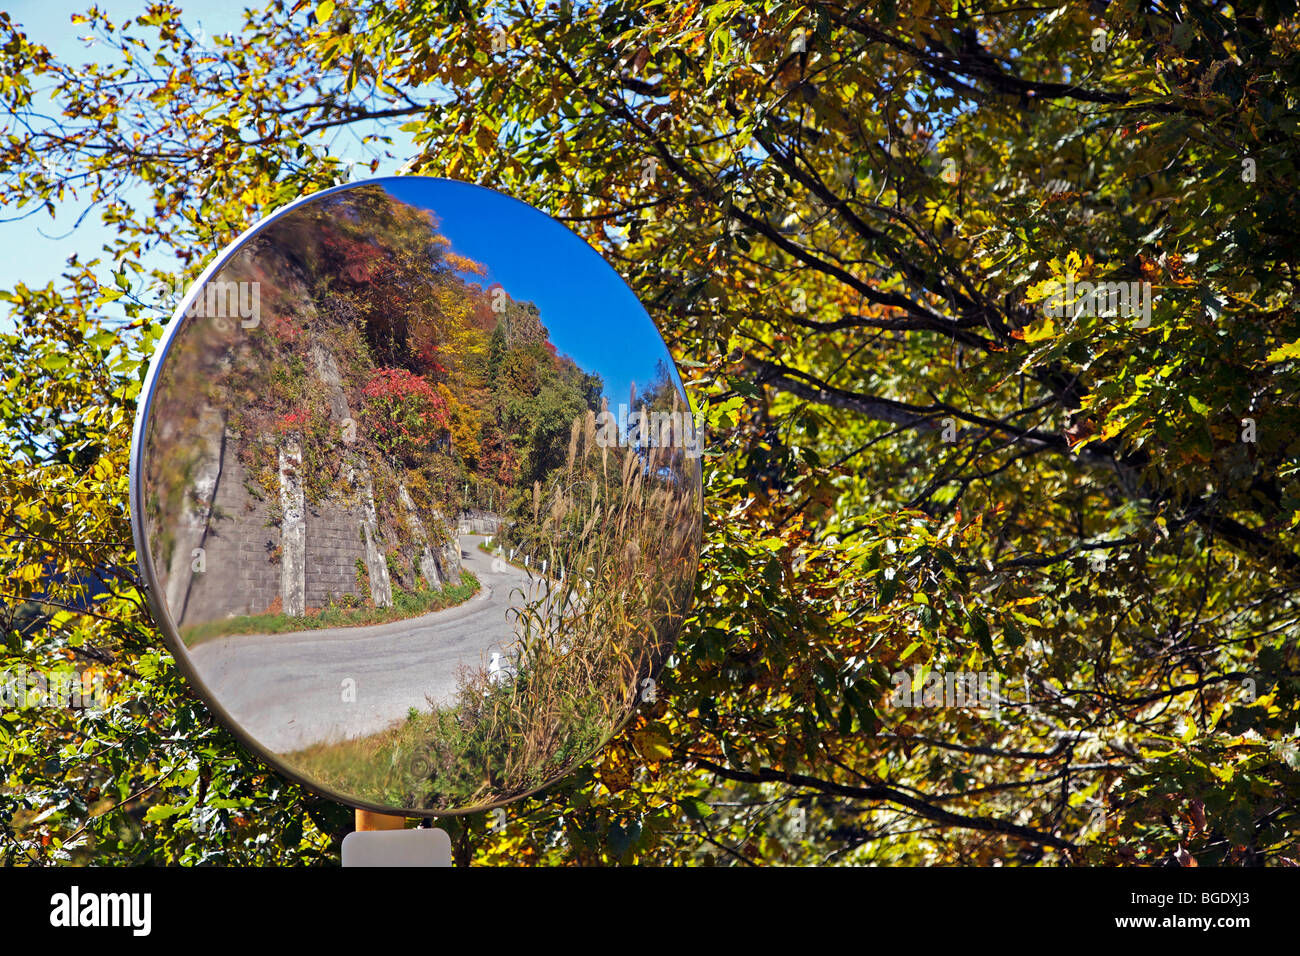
(401, 386)
(403, 410)
(287, 329)
(295, 421)
(357, 260)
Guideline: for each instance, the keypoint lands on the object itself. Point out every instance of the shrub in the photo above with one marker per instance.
(403, 412)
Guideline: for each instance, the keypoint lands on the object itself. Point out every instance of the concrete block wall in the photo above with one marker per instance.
(240, 576)
(333, 546)
(243, 556)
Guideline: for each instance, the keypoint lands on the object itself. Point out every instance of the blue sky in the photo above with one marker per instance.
(592, 315)
(36, 247)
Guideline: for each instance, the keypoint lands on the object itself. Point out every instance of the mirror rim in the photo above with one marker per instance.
(144, 557)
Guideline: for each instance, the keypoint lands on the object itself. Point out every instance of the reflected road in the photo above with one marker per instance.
(288, 690)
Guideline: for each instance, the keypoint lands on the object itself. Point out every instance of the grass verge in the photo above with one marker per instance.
(406, 604)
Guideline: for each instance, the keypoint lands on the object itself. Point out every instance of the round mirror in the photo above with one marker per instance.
(416, 493)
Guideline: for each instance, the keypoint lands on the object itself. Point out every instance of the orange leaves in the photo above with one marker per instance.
(1149, 268)
(1079, 432)
(460, 263)
(1177, 270)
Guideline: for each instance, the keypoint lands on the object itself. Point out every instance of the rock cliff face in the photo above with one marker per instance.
(234, 554)
(247, 538)
(318, 442)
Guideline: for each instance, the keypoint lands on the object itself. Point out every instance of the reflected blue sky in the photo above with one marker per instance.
(592, 315)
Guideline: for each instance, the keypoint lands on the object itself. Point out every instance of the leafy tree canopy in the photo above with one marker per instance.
(866, 230)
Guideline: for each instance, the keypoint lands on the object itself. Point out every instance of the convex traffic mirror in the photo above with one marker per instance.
(416, 492)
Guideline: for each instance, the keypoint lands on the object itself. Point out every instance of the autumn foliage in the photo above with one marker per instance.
(840, 215)
(403, 411)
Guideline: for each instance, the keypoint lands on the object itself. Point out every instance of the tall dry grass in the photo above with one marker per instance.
(621, 541)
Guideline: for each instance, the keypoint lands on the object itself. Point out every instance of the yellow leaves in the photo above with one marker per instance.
(1036, 332)
(620, 761)
(485, 137)
(324, 10)
(1223, 773)
(1061, 272)
(27, 574)
(1041, 290)
(1072, 268)
(104, 469)
(1113, 427)
(614, 772)
(1285, 353)
(936, 209)
(655, 748)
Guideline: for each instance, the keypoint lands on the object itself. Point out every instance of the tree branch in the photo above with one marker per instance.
(889, 794)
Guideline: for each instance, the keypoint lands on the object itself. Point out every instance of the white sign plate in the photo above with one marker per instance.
(417, 847)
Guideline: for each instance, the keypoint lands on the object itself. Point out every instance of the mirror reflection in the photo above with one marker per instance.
(420, 488)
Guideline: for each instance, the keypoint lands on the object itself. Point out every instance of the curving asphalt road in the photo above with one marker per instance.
(288, 690)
